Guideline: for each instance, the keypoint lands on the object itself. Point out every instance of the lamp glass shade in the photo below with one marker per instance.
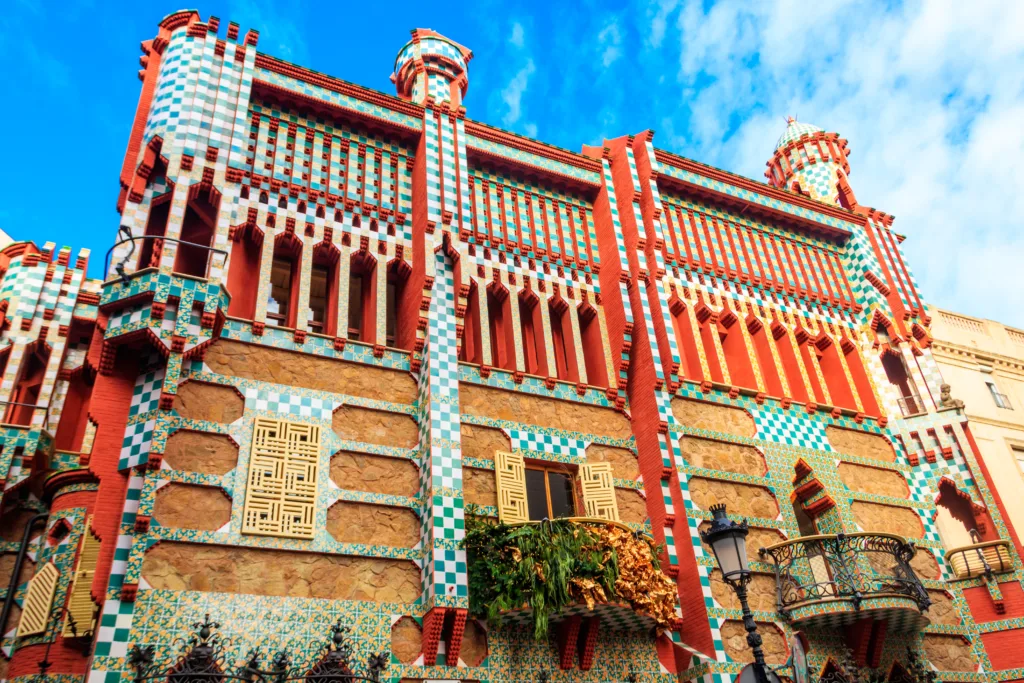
(731, 553)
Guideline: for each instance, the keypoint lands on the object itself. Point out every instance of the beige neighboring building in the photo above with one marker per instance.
(5, 239)
(983, 362)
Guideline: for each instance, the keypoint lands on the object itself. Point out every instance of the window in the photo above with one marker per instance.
(1018, 455)
(540, 491)
(323, 290)
(362, 298)
(283, 301)
(549, 493)
(1001, 400)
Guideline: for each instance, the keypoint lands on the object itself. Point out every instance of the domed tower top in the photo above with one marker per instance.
(432, 66)
(813, 162)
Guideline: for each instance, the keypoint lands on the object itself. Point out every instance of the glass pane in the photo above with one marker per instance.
(280, 288)
(561, 495)
(536, 496)
(318, 294)
(355, 306)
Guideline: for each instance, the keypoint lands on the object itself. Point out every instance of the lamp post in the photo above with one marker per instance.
(728, 540)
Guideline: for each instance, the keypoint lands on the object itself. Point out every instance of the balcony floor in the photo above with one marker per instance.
(614, 616)
(902, 614)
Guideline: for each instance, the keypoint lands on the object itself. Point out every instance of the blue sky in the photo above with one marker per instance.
(930, 95)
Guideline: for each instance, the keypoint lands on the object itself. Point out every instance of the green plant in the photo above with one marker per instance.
(544, 567)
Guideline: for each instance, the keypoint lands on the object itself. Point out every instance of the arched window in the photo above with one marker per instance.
(896, 372)
(362, 298)
(397, 324)
(531, 328)
(592, 342)
(28, 384)
(499, 314)
(689, 356)
(562, 342)
(243, 270)
(472, 349)
(734, 348)
(156, 226)
(323, 290)
(283, 302)
(197, 228)
(954, 518)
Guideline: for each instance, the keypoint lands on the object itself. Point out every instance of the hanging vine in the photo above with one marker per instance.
(549, 566)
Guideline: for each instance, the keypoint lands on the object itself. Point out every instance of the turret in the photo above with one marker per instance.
(432, 66)
(813, 162)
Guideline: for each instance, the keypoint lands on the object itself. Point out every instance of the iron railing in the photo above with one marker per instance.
(992, 557)
(844, 567)
(911, 405)
(204, 659)
(121, 267)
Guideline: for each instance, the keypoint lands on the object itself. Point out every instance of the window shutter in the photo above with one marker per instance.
(81, 608)
(36, 610)
(599, 491)
(510, 472)
(280, 495)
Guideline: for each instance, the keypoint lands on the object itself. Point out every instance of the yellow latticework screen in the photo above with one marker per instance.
(38, 600)
(510, 473)
(81, 608)
(599, 491)
(280, 497)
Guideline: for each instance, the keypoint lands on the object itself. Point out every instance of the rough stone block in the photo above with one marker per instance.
(874, 480)
(718, 455)
(542, 412)
(375, 426)
(372, 524)
(200, 452)
(887, 519)
(260, 571)
(211, 402)
(717, 418)
(948, 653)
(861, 444)
(184, 506)
(312, 372)
(375, 474)
(741, 500)
(623, 461)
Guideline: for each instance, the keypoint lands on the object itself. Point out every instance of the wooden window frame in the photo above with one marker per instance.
(557, 468)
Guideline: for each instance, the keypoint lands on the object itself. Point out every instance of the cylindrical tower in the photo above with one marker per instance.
(813, 162)
(433, 66)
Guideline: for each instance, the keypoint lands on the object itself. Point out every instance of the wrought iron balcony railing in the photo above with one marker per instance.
(847, 570)
(911, 405)
(992, 557)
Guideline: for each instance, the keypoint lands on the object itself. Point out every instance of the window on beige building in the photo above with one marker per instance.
(1018, 455)
(1001, 399)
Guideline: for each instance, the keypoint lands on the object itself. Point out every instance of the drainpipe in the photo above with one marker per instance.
(13, 585)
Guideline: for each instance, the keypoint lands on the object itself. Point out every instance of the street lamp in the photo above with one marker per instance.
(728, 540)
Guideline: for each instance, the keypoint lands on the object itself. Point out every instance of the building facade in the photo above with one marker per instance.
(983, 363)
(340, 331)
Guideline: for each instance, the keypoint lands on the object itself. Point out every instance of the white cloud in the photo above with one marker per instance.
(517, 35)
(610, 38)
(929, 94)
(512, 94)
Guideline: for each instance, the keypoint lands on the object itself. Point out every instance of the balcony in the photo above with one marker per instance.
(836, 580)
(567, 571)
(911, 405)
(980, 559)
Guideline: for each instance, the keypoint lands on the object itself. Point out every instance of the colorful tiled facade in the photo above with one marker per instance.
(401, 292)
